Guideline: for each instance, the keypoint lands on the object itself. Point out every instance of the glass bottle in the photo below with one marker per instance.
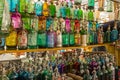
(34, 23)
(90, 15)
(16, 20)
(22, 39)
(109, 6)
(59, 38)
(49, 22)
(32, 39)
(80, 13)
(67, 23)
(30, 6)
(100, 36)
(114, 34)
(65, 39)
(11, 41)
(68, 12)
(72, 38)
(63, 11)
(50, 38)
(41, 39)
(26, 22)
(15, 4)
(2, 43)
(57, 10)
(77, 38)
(42, 23)
(38, 8)
(52, 9)
(108, 35)
(22, 6)
(45, 8)
(91, 4)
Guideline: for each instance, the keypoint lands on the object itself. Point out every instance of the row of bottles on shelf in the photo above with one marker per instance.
(51, 38)
(41, 66)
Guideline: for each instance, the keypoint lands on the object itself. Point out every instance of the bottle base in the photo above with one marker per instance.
(11, 47)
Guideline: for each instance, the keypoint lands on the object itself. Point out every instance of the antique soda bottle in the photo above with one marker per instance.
(45, 8)
(34, 23)
(91, 4)
(87, 76)
(57, 9)
(1, 11)
(32, 39)
(91, 37)
(80, 13)
(68, 12)
(72, 25)
(50, 38)
(109, 6)
(26, 22)
(67, 23)
(41, 39)
(108, 35)
(49, 22)
(22, 39)
(11, 41)
(101, 5)
(15, 4)
(76, 12)
(59, 38)
(52, 9)
(38, 8)
(72, 38)
(16, 20)
(2, 43)
(77, 25)
(65, 39)
(90, 15)
(23, 4)
(30, 7)
(77, 38)
(100, 37)
(63, 11)
(42, 23)
(114, 34)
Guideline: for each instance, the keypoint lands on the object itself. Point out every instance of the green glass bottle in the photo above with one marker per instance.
(72, 39)
(32, 39)
(65, 39)
(41, 39)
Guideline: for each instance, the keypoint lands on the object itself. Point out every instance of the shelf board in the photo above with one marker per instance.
(49, 49)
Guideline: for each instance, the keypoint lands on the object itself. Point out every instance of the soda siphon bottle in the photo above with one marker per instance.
(41, 39)
(15, 4)
(77, 38)
(11, 41)
(65, 38)
(38, 8)
(67, 23)
(2, 43)
(87, 75)
(22, 39)
(59, 38)
(30, 6)
(23, 4)
(45, 8)
(32, 39)
(50, 38)
(72, 38)
(52, 9)
(108, 35)
(114, 34)
(91, 36)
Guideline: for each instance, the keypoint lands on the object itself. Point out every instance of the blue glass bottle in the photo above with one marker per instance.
(38, 8)
(15, 4)
(2, 43)
(114, 34)
(50, 38)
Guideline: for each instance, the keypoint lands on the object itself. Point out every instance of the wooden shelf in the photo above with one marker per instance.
(49, 49)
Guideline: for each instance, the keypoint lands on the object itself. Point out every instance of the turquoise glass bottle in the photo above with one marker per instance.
(38, 8)
(2, 43)
(15, 4)
(41, 39)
